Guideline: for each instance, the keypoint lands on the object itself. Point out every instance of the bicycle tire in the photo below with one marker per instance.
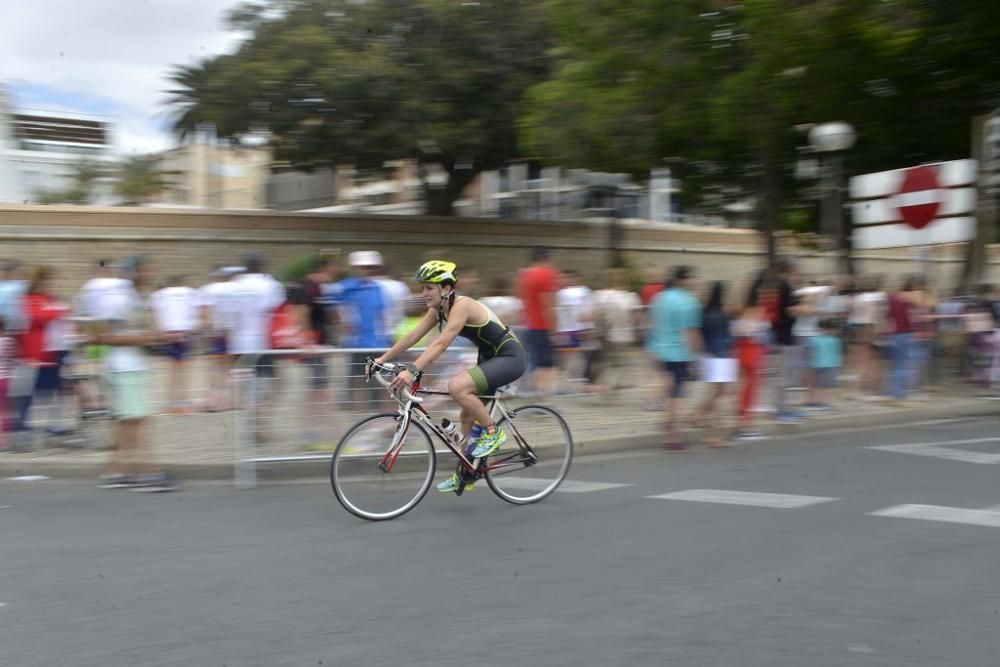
(539, 423)
(363, 469)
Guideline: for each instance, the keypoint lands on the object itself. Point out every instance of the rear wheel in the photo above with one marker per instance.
(536, 457)
(381, 469)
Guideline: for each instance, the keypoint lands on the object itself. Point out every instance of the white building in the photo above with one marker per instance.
(40, 151)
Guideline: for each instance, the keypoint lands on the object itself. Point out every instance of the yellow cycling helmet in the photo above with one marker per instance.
(437, 271)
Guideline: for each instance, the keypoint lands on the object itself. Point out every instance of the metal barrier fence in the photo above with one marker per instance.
(66, 406)
(294, 405)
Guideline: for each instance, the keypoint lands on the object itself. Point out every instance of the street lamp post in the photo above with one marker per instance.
(830, 141)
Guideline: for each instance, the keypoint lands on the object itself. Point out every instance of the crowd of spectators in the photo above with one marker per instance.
(815, 340)
(780, 346)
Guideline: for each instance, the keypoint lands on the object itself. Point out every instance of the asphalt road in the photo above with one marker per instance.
(819, 552)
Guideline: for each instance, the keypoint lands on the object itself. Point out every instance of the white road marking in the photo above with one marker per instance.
(945, 450)
(987, 518)
(28, 478)
(3, 507)
(3, 604)
(876, 427)
(773, 500)
(860, 648)
(567, 486)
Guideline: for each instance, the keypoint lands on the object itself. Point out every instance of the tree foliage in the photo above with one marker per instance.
(360, 83)
(140, 179)
(730, 87)
(723, 92)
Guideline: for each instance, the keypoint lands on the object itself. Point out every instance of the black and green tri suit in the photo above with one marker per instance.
(502, 358)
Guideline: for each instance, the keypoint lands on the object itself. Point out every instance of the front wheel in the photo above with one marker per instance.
(382, 467)
(536, 457)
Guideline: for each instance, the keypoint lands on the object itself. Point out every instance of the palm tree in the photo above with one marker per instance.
(189, 97)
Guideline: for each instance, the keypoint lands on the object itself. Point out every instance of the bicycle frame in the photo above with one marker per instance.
(409, 408)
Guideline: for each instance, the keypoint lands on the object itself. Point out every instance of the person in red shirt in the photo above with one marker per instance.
(40, 310)
(651, 289)
(537, 285)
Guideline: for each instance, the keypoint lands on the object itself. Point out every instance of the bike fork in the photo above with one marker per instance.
(385, 465)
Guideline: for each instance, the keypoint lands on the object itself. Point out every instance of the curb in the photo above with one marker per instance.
(634, 440)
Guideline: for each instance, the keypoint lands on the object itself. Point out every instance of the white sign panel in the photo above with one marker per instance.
(924, 205)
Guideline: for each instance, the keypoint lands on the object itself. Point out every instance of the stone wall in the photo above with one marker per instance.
(190, 242)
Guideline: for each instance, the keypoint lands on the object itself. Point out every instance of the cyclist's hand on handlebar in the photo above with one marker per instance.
(371, 364)
(403, 380)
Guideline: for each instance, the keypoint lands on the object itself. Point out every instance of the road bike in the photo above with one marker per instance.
(384, 465)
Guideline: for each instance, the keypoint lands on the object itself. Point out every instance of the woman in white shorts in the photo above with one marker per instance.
(718, 365)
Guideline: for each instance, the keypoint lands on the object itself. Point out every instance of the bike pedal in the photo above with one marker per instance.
(460, 490)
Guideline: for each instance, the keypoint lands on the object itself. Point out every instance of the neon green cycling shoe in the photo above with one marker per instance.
(489, 443)
(454, 483)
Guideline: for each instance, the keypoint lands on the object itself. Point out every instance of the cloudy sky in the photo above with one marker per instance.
(108, 57)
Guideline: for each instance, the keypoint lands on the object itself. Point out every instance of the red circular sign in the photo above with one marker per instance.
(918, 199)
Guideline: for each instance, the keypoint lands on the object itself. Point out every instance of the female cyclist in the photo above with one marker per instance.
(502, 359)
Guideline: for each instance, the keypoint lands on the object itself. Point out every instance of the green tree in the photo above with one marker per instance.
(140, 179)
(729, 87)
(628, 76)
(361, 83)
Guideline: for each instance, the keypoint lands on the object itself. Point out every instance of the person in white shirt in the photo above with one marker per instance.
(125, 329)
(89, 305)
(90, 300)
(175, 311)
(506, 306)
(865, 322)
(574, 323)
(394, 296)
(617, 312)
(256, 295)
(218, 317)
(813, 301)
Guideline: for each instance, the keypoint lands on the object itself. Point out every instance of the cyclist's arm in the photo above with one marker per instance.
(457, 318)
(409, 340)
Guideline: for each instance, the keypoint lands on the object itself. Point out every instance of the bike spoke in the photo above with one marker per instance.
(379, 473)
(544, 454)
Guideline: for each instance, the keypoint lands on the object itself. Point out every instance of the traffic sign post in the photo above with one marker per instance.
(919, 197)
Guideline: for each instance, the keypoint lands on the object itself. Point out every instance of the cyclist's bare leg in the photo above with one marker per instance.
(463, 390)
(466, 420)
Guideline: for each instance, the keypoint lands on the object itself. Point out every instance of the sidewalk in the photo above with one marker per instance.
(203, 445)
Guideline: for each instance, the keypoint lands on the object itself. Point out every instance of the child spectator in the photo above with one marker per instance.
(825, 360)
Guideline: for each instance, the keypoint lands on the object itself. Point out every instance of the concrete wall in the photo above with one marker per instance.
(72, 239)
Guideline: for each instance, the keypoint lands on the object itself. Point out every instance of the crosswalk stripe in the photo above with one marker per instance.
(945, 450)
(568, 486)
(773, 500)
(987, 518)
